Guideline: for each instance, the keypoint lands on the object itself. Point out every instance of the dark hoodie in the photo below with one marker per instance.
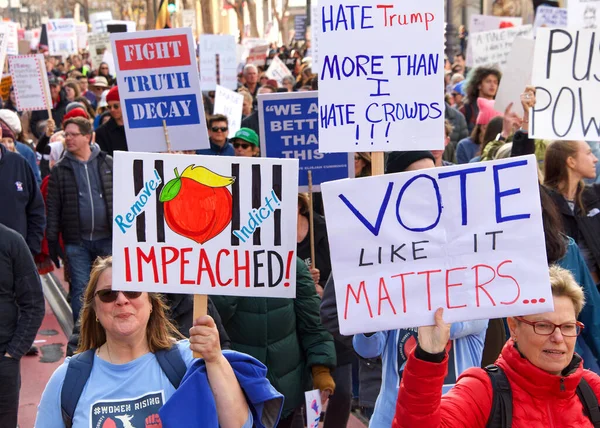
(323, 260)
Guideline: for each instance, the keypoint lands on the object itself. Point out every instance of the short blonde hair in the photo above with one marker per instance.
(564, 285)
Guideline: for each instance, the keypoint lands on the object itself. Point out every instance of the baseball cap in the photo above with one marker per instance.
(247, 135)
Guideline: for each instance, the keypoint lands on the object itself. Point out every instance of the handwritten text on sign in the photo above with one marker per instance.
(566, 72)
(465, 238)
(205, 224)
(381, 91)
(491, 48)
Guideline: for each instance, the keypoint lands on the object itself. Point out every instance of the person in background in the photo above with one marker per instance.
(101, 111)
(288, 83)
(78, 65)
(245, 143)
(71, 90)
(104, 73)
(218, 130)
(87, 106)
(247, 105)
(59, 104)
(470, 147)
(458, 96)
(84, 89)
(438, 154)
(362, 164)
(12, 121)
(98, 86)
(262, 80)
(111, 136)
(459, 131)
(481, 82)
(251, 79)
(11, 103)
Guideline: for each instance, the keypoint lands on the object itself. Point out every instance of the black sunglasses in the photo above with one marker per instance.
(217, 129)
(242, 145)
(114, 106)
(107, 295)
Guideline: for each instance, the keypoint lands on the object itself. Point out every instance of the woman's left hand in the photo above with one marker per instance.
(204, 338)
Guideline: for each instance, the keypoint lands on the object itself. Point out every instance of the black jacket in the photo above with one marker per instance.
(21, 296)
(57, 114)
(21, 203)
(323, 259)
(63, 199)
(111, 137)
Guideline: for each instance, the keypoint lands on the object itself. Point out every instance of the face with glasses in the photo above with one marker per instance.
(76, 141)
(120, 313)
(541, 340)
(114, 107)
(218, 132)
(244, 148)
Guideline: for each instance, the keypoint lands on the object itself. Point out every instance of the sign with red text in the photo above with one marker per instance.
(10, 29)
(258, 55)
(158, 81)
(205, 224)
(218, 62)
(4, 31)
(566, 75)
(465, 238)
(29, 77)
(379, 71)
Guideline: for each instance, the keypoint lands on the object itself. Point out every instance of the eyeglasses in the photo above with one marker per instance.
(72, 134)
(546, 328)
(108, 296)
(114, 106)
(242, 145)
(217, 129)
(357, 158)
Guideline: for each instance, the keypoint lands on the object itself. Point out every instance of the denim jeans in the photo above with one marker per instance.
(80, 259)
(10, 379)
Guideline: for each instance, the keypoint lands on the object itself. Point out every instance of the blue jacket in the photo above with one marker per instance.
(193, 404)
(226, 150)
(396, 345)
(31, 159)
(466, 150)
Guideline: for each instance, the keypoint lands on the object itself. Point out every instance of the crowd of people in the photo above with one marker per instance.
(261, 354)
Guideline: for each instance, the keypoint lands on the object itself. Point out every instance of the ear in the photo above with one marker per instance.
(570, 162)
(512, 326)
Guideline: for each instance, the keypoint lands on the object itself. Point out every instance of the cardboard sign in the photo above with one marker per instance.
(10, 29)
(480, 23)
(230, 104)
(99, 43)
(62, 36)
(565, 72)
(516, 75)
(289, 128)
(491, 48)
(205, 224)
(551, 17)
(258, 55)
(277, 70)
(584, 14)
(5, 85)
(380, 68)
(158, 80)
(218, 62)
(98, 21)
(314, 407)
(467, 238)
(29, 77)
(4, 34)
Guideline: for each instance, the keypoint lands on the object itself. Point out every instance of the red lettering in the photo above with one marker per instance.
(385, 7)
(127, 265)
(387, 297)
(237, 267)
(150, 258)
(428, 273)
(401, 275)
(204, 265)
(218, 268)
(361, 289)
(448, 285)
(163, 254)
(183, 262)
(478, 285)
(509, 277)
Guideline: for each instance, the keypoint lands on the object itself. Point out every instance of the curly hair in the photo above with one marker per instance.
(474, 79)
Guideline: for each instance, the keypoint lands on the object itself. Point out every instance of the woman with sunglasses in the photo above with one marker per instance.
(245, 143)
(124, 330)
(539, 362)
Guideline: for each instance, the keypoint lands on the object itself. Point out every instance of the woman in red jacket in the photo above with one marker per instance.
(539, 361)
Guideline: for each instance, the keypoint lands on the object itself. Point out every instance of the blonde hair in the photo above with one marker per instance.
(160, 331)
(564, 285)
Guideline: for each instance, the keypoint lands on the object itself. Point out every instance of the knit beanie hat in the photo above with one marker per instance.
(399, 161)
(11, 119)
(76, 112)
(6, 131)
(73, 105)
(486, 111)
(113, 94)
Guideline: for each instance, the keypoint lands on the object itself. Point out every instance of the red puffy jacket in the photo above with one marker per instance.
(539, 398)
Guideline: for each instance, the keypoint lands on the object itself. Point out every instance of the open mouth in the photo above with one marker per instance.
(553, 352)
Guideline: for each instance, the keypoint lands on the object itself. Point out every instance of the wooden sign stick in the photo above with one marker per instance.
(311, 221)
(46, 90)
(377, 163)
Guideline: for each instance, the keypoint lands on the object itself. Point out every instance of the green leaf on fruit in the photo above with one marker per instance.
(170, 190)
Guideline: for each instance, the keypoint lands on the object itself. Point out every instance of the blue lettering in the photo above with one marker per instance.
(437, 195)
(498, 194)
(374, 229)
(463, 186)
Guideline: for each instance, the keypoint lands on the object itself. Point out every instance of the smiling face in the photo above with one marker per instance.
(550, 353)
(123, 318)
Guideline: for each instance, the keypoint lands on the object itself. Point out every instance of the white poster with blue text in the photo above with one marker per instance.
(468, 239)
(158, 82)
(380, 68)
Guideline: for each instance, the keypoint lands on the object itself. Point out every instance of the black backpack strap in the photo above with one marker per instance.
(590, 402)
(78, 373)
(501, 412)
(172, 364)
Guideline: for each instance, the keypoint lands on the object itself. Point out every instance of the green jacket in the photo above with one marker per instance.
(286, 335)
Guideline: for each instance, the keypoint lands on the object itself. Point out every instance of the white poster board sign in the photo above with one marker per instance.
(516, 75)
(3, 44)
(154, 88)
(12, 47)
(30, 80)
(230, 104)
(277, 71)
(398, 253)
(584, 14)
(258, 55)
(188, 18)
(205, 224)
(479, 23)
(379, 76)
(99, 20)
(313, 407)
(551, 17)
(99, 43)
(491, 48)
(82, 36)
(62, 36)
(567, 89)
(218, 62)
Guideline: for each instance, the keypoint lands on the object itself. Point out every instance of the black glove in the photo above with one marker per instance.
(55, 252)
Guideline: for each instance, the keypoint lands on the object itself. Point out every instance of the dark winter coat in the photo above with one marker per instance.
(459, 131)
(111, 137)
(323, 260)
(58, 113)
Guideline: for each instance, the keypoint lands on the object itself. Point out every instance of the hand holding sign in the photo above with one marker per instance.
(511, 122)
(434, 338)
(204, 339)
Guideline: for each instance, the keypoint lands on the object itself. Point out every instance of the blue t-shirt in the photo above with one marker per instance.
(116, 395)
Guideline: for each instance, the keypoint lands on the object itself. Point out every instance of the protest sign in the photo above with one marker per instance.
(277, 70)
(188, 19)
(109, 59)
(315, 22)
(313, 408)
(82, 35)
(98, 21)
(300, 27)
(491, 48)
(258, 55)
(3, 44)
(584, 14)
(289, 128)
(158, 80)
(516, 75)
(205, 224)
(480, 23)
(218, 62)
(230, 104)
(5, 85)
(565, 73)
(99, 43)
(62, 36)
(12, 43)
(380, 67)
(398, 253)
(551, 17)
(30, 80)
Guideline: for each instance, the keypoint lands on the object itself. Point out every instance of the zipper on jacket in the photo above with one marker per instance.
(91, 200)
(562, 384)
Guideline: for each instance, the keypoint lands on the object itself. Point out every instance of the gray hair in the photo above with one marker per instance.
(250, 66)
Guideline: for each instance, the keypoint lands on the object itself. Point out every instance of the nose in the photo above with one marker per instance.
(557, 336)
(121, 299)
